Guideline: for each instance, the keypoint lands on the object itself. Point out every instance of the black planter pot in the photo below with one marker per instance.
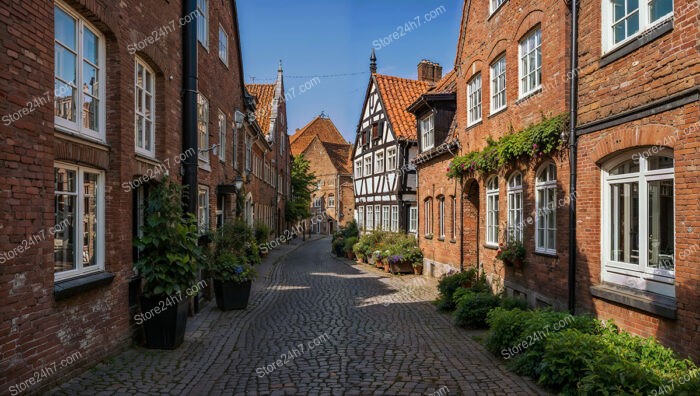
(164, 324)
(231, 295)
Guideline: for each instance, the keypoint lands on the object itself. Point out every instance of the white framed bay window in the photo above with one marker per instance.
(79, 232)
(492, 211)
(623, 20)
(79, 79)
(144, 111)
(638, 218)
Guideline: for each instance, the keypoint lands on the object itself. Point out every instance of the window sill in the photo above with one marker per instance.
(441, 239)
(529, 96)
(545, 254)
(70, 287)
(427, 237)
(453, 241)
(497, 112)
(474, 124)
(652, 303)
(642, 39)
(492, 247)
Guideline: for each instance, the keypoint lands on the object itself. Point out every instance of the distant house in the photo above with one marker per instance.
(329, 153)
(386, 142)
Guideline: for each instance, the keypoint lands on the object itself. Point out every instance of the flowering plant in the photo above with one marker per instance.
(511, 252)
(230, 267)
(395, 259)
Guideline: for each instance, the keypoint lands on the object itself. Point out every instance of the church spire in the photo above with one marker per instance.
(373, 62)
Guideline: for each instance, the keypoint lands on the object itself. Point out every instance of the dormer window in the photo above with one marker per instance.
(427, 131)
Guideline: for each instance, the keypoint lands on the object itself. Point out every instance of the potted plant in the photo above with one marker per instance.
(418, 268)
(167, 264)
(349, 244)
(378, 259)
(230, 264)
(511, 253)
(261, 234)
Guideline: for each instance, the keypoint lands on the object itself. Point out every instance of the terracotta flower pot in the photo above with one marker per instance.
(418, 270)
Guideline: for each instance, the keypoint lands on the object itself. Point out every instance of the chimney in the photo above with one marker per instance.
(429, 71)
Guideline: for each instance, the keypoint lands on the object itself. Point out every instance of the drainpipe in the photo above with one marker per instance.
(189, 116)
(573, 114)
(461, 223)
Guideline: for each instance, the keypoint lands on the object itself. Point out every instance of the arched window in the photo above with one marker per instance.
(492, 211)
(441, 217)
(638, 213)
(515, 207)
(546, 204)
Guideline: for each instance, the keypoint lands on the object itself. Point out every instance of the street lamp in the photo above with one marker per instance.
(238, 183)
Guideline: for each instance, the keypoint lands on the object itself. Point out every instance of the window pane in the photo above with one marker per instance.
(659, 8)
(90, 219)
(64, 27)
(90, 83)
(625, 223)
(64, 239)
(64, 180)
(656, 163)
(90, 46)
(618, 9)
(633, 24)
(65, 64)
(661, 225)
(91, 112)
(626, 167)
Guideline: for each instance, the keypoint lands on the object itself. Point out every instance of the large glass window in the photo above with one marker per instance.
(358, 168)
(546, 204)
(638, 218)
(203, 127)
(79, 215)
(394, 218)
(203, 22)
(495, 4)
(624, 19)
(361, 217)
(144, 102)
(428, 216)
(379, 162)
(413, 219)
(385, 218)
(531, 63)
(222, 136)
(203, 209)
(474, 98)
(427, 128)
(492, 211)
(368, 165)
(223, 45)
(79, 75)
(498, 85)
(370, 217)
(391, 159)
(515, 207)
(441, 217)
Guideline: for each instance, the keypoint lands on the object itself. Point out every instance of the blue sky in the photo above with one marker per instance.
(329, 37)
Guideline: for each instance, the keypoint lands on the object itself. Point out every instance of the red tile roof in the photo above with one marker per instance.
(340, 155)
(319, 126)
(265, 94)
(397, 94)
(447, 84)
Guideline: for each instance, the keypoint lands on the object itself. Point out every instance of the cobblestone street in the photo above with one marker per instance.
(361, 332)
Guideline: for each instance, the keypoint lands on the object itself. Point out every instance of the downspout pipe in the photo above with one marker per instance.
(189, 114)
(573, 114)
(461, 223)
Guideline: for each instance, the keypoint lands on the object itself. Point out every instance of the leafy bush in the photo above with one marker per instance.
(472, 308)
(338, 246)
(349, 243)
(514, 303)
(230, 267)
(234, 252)
(168, 248)
(350, 230)
(261, 232)
(449, 284)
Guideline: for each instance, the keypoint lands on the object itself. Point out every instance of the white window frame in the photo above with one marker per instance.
(499, 84)
(386, 220)
(515, 207)
(394, 218)
(203, 134)
(542, 212)
(223, 45)
(77, 126)
(379, 161)
(78, 226)
(474, 108)
(331, 201)
(368, 165)
(370, 218)
(441, 217)
(413, 219)
(145, 96)
(427, 129)
(203, 23)
(391, 159)
(222, 136)
(645, 23)
(358, 168)
(428, 216)
(377, 216)
(454, 217)
(203, 221)
(531, 43)
(248, 153)
(495, 5)
(361, 217)
(492, 198)
(639, 276)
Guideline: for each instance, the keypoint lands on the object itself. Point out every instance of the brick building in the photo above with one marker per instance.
(637, 225)
(75, 181)
(328, 153)
(271, 115)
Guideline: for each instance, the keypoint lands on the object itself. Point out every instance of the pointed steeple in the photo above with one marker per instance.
(373, 62)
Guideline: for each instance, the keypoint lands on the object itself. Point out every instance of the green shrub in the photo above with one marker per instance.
(449, 284)
(472, 308)
(338, 246)
(261, 232)
(349, 243)
(514, 303)
(350, 230)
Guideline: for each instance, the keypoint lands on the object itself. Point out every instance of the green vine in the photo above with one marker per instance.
(534, 141)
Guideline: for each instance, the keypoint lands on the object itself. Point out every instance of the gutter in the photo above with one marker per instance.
(573, 114)
(189, 104)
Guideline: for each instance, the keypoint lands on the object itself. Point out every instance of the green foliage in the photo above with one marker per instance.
(230, 267)
(449, 284)
(168, 248)
(511, 251)
(472, 308)
(234, 251)
(338, 246)
(536, 140)
(261, 232)
(383, 244)
(349, 243)
(302, 182)
(350, 230)
(514, 303)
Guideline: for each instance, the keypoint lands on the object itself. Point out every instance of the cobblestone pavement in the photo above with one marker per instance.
(355, 331)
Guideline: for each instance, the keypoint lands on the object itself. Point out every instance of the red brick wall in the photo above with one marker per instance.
(486, 38)
(658, 69)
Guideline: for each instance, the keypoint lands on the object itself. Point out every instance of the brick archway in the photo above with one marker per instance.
(627, 138)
